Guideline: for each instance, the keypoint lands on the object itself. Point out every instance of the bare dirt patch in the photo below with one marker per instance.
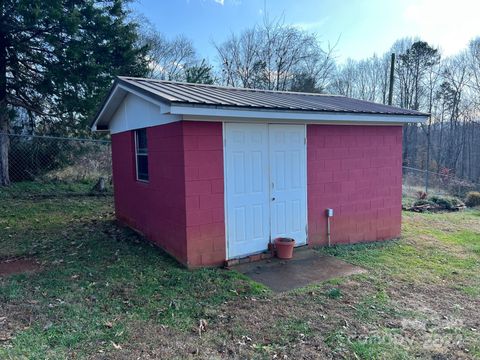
(18, 266)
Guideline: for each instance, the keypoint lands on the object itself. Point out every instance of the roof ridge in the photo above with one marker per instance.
(228, 87)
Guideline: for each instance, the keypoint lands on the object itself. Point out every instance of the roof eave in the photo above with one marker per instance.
(285, 114)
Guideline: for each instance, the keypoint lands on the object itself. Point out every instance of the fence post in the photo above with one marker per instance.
(4, 149)
(427, 179)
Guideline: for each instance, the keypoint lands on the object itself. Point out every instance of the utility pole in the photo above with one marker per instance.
(392, 78)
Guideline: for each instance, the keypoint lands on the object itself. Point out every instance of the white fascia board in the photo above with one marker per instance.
(107, 106)
(226, 114)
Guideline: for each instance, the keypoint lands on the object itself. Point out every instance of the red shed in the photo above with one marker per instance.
(212, 173)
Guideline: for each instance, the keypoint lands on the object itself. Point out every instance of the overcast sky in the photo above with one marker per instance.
(362, 27)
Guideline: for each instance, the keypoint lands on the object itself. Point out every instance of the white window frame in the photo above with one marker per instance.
(135, 135)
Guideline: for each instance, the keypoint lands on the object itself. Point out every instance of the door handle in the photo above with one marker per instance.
(273, 199)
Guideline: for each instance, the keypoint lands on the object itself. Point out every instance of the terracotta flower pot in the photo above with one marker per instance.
(284, 247)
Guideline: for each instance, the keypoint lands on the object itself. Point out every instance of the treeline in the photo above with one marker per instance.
(57, 61)
(276, 56)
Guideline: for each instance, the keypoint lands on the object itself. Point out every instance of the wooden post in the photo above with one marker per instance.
(392, 78)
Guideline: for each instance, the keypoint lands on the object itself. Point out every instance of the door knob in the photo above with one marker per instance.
(273, 199)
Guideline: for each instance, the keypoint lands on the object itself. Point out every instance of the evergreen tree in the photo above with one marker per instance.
(199, 74)
(58, 59)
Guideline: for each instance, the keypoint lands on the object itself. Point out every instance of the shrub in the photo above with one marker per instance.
(422, 202)
(334, 293)
(421, 195)
(445, 202)
(473, 199)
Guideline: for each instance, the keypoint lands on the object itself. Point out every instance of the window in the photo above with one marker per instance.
(141, 154)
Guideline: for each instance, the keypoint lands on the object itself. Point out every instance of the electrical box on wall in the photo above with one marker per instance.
(329, 212)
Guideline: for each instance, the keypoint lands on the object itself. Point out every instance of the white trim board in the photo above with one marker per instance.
(286, 121)
(197, 113)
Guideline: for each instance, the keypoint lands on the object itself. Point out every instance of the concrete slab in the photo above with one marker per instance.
(307, 267)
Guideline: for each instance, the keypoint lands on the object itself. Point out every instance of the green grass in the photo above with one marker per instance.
(420, 258)
(371, 347)
(334, 293)
(96, 274)
(377, 348)
(51, 188)
(100, 282)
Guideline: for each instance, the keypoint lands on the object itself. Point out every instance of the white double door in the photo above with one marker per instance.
(265, 184)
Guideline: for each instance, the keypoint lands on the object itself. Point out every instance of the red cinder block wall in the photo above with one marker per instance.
(204, 188)
(181, 208)
(356, 170)
(157, 208)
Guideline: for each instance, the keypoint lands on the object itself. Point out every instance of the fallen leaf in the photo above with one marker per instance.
(202, 326)
(116, 346)
(5, 337)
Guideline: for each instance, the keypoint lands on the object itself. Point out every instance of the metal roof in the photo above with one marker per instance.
(229, 97)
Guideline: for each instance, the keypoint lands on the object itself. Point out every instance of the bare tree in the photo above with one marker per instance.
(168, 58)
(448, 89)
(363, 79)
(271, 56)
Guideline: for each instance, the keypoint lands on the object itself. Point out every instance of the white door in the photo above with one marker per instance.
(247, 188)
(265, 184)
(288, 209)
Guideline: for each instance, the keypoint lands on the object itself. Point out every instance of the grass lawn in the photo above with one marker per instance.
(102, 292)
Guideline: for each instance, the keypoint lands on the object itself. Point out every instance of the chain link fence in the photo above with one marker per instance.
(49, 165)
(417, 182)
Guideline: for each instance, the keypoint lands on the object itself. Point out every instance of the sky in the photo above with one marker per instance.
(360, 28)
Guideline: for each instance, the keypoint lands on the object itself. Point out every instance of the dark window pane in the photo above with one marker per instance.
(141, 141)
(142, 154)
(142, 167)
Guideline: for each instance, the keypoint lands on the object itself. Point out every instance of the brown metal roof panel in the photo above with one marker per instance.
(191, 94)
(239, 99)
(150, 89)
(260, 100)
(199, 94)
(366, 106)
(316, 103)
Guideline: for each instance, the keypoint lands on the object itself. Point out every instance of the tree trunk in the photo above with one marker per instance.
(427, 166)
(4, 141)
(4, 146)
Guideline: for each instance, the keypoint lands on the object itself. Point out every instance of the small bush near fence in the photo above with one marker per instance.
(55, 165)
(439, 184)
(473, 199)
(435, 203)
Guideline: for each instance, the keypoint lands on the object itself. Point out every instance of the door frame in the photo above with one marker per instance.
(225, 200)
